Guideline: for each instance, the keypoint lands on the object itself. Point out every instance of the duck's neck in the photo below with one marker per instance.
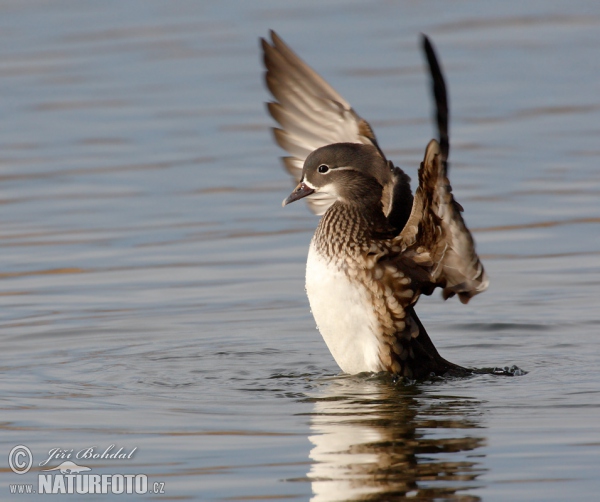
(347, 230)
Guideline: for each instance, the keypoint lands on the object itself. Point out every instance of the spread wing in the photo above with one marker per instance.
(310, 112)
(435, 236)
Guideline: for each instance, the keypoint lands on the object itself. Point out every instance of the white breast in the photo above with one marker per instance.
(344, 315)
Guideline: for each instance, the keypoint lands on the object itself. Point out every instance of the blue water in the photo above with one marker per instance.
(151, 285)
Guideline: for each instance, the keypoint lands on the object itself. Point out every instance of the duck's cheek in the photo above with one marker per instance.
(329, 189)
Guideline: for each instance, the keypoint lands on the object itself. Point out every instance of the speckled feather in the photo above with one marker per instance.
(348, 237)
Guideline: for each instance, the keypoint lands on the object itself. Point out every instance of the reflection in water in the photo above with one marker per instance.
(373, 439)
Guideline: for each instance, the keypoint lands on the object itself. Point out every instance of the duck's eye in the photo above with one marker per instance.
(323, 168)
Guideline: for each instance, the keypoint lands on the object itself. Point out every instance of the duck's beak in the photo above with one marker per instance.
(302, 190)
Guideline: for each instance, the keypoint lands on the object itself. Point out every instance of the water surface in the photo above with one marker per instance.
(152, 287)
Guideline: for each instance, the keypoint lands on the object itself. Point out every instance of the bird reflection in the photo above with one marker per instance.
(377, 440)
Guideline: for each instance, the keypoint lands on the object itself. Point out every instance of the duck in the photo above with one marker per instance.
(378, 247)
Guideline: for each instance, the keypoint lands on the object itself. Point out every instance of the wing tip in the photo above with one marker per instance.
(425, 42)
(276, 39)
(482, 283)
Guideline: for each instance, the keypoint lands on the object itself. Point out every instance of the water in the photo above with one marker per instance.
(152, 286)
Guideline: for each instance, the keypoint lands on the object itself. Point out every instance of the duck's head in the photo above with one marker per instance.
(350, 172)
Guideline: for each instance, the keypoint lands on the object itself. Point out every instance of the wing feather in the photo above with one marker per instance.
(435, 236)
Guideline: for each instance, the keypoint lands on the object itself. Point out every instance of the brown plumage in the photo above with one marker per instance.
(376, 248)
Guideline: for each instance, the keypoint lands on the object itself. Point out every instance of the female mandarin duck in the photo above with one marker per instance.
(377, 248)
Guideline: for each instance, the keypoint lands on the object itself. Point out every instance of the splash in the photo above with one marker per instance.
(513, 370)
